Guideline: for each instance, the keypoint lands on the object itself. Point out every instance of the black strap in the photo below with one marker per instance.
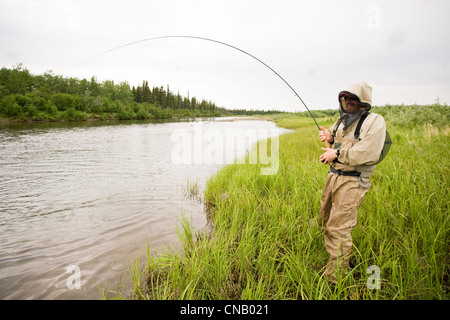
(345, 173)
(358, 127)
(337, 126)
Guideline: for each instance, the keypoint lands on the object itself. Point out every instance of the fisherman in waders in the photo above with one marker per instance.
(352, 160)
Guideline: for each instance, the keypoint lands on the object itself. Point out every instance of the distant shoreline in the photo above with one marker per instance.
(6, 121)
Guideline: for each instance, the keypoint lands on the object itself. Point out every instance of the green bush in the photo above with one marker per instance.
(125, 113)
(10, 107)
(143, 114)
(411, 116)
(63, 101)
(73, 115)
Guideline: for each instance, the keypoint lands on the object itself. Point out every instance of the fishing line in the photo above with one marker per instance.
(225, 44)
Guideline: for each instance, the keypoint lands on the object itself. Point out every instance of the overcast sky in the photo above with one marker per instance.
(400, 47)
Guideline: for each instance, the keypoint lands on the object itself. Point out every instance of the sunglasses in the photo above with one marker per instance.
(346, 98)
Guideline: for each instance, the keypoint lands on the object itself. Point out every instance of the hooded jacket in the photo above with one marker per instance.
(362, 154)
(361, 90)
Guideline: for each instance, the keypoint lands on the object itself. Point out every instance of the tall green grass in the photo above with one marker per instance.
(266, 243)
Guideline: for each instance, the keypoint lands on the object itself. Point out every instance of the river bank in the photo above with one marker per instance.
(266, 243)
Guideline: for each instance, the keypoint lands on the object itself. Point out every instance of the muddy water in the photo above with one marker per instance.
(78, 203)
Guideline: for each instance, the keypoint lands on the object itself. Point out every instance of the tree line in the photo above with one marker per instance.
(165, 98)
(50, 97)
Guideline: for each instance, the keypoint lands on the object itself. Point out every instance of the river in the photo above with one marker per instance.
(79, 202)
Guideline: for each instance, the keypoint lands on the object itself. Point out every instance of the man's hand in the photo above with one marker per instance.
(329, 156)
(325, 135)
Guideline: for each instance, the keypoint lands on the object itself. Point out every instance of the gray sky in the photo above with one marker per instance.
(400, 47)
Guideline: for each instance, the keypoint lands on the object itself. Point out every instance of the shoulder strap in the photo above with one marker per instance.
(337, 126)
(358, 127)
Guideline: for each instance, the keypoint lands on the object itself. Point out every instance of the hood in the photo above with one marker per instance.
(362, 91)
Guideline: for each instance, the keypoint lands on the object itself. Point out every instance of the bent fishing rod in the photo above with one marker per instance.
(228, 45)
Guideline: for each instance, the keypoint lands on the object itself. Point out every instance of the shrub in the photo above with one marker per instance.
(63, 101)
(73, 115)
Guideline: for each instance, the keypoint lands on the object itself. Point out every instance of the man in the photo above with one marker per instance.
(352, 160)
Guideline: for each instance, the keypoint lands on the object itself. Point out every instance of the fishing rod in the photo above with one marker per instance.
(225, 44)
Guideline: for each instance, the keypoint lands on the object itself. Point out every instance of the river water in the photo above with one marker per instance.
(79, 202)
